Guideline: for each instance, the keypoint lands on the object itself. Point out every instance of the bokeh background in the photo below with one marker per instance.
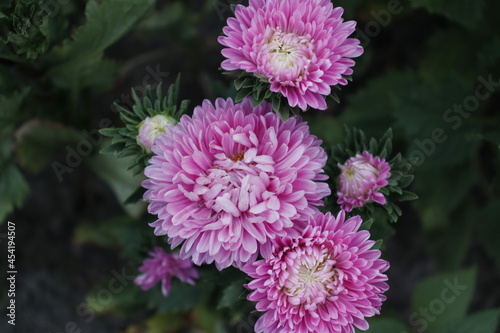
(431, 71)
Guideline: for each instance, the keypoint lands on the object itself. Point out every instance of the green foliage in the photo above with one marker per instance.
(357, 142)
(13, 187)
(27, 28)
(121, 179)
(384, 325)
(124, 139)
(463, 12)
(38, 140)
(442, 300)
(482, 322)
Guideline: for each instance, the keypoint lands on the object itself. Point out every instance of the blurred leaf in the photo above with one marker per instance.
(119, 300)
(489, 228)
(164, 323)
(489, 55)
(385, 325)
(123, 232)
(326, 128)
(10, 107)
(371, 108)
(208, 320)
(441, 300)
(107, 21)
(13, 188)
(441, 59)
(122, 181)
(231, 294)
(464, 12)
(436, 205)
(182, 297)
(38, 140)
(438, 134)
(449, 246)
(79, 60)
(482, 322)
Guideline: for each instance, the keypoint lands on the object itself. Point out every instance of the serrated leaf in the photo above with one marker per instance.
(106, 22)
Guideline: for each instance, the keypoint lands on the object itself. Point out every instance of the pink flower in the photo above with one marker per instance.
(151, 128)
(161, 267)
(360, 179)
(231, 178)
(327, 280)
(299, 46)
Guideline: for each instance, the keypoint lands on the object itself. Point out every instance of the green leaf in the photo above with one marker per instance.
(39, 140)
(464, 12)
(107, 21)
(231, 294)
(436, 206)
(13, 188)
(121, 180)
(182, 297)
(482, 322)
(10, 107)
(441, 300)
(385, 325)
(408, 196)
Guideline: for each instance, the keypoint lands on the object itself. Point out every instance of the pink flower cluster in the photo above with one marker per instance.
(360, 179)
(300, 47)
(326, 280)
(235, 183)
(232, 177)
(162, 267)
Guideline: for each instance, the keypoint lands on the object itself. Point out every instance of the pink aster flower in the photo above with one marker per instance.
(299, 46)
(151, 128)
(360, 179)
(162, 267)
(327, 280)
(231, 178)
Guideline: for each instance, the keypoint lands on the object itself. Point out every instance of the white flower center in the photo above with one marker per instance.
(311, 281)
(287, 54)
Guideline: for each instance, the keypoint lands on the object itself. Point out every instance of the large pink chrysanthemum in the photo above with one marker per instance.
(162, 267)
(299, 46)
(328, 280)
(231, 178)
(360, 179)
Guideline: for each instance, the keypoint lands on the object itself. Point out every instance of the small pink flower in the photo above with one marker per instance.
(162, 267)
(151, 128)
(360, 179)
(327, 280)
(232, 177)
(300, 47)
